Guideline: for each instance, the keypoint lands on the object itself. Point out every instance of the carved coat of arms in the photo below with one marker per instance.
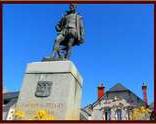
(43, 89)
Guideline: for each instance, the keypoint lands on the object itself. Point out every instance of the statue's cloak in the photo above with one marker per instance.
(79, 30)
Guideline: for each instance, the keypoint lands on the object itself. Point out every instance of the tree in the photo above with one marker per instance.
(140, 113)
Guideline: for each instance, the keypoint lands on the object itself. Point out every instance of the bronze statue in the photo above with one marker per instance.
(70, 33)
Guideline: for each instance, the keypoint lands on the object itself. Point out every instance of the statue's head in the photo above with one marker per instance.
(72, 7)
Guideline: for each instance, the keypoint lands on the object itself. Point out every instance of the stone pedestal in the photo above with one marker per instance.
(54, 87)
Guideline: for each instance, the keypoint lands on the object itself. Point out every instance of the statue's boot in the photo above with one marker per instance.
(59, 55)
(68, 53)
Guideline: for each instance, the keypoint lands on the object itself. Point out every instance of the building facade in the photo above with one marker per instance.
(114, 104)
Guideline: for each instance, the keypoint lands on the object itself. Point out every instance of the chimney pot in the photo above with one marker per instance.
(144, 90)
(100, 91)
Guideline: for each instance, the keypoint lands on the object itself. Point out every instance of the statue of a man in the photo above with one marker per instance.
(70, 33)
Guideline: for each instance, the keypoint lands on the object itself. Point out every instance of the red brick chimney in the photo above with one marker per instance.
(100, 90)
(144, 90)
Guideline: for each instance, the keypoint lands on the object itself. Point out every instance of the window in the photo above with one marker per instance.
(119, 114)
(107, 113)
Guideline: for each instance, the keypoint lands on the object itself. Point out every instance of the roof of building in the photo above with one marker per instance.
(118, 87)
(10, 95)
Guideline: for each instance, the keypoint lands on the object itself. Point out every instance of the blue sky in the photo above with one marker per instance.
(118, 44)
